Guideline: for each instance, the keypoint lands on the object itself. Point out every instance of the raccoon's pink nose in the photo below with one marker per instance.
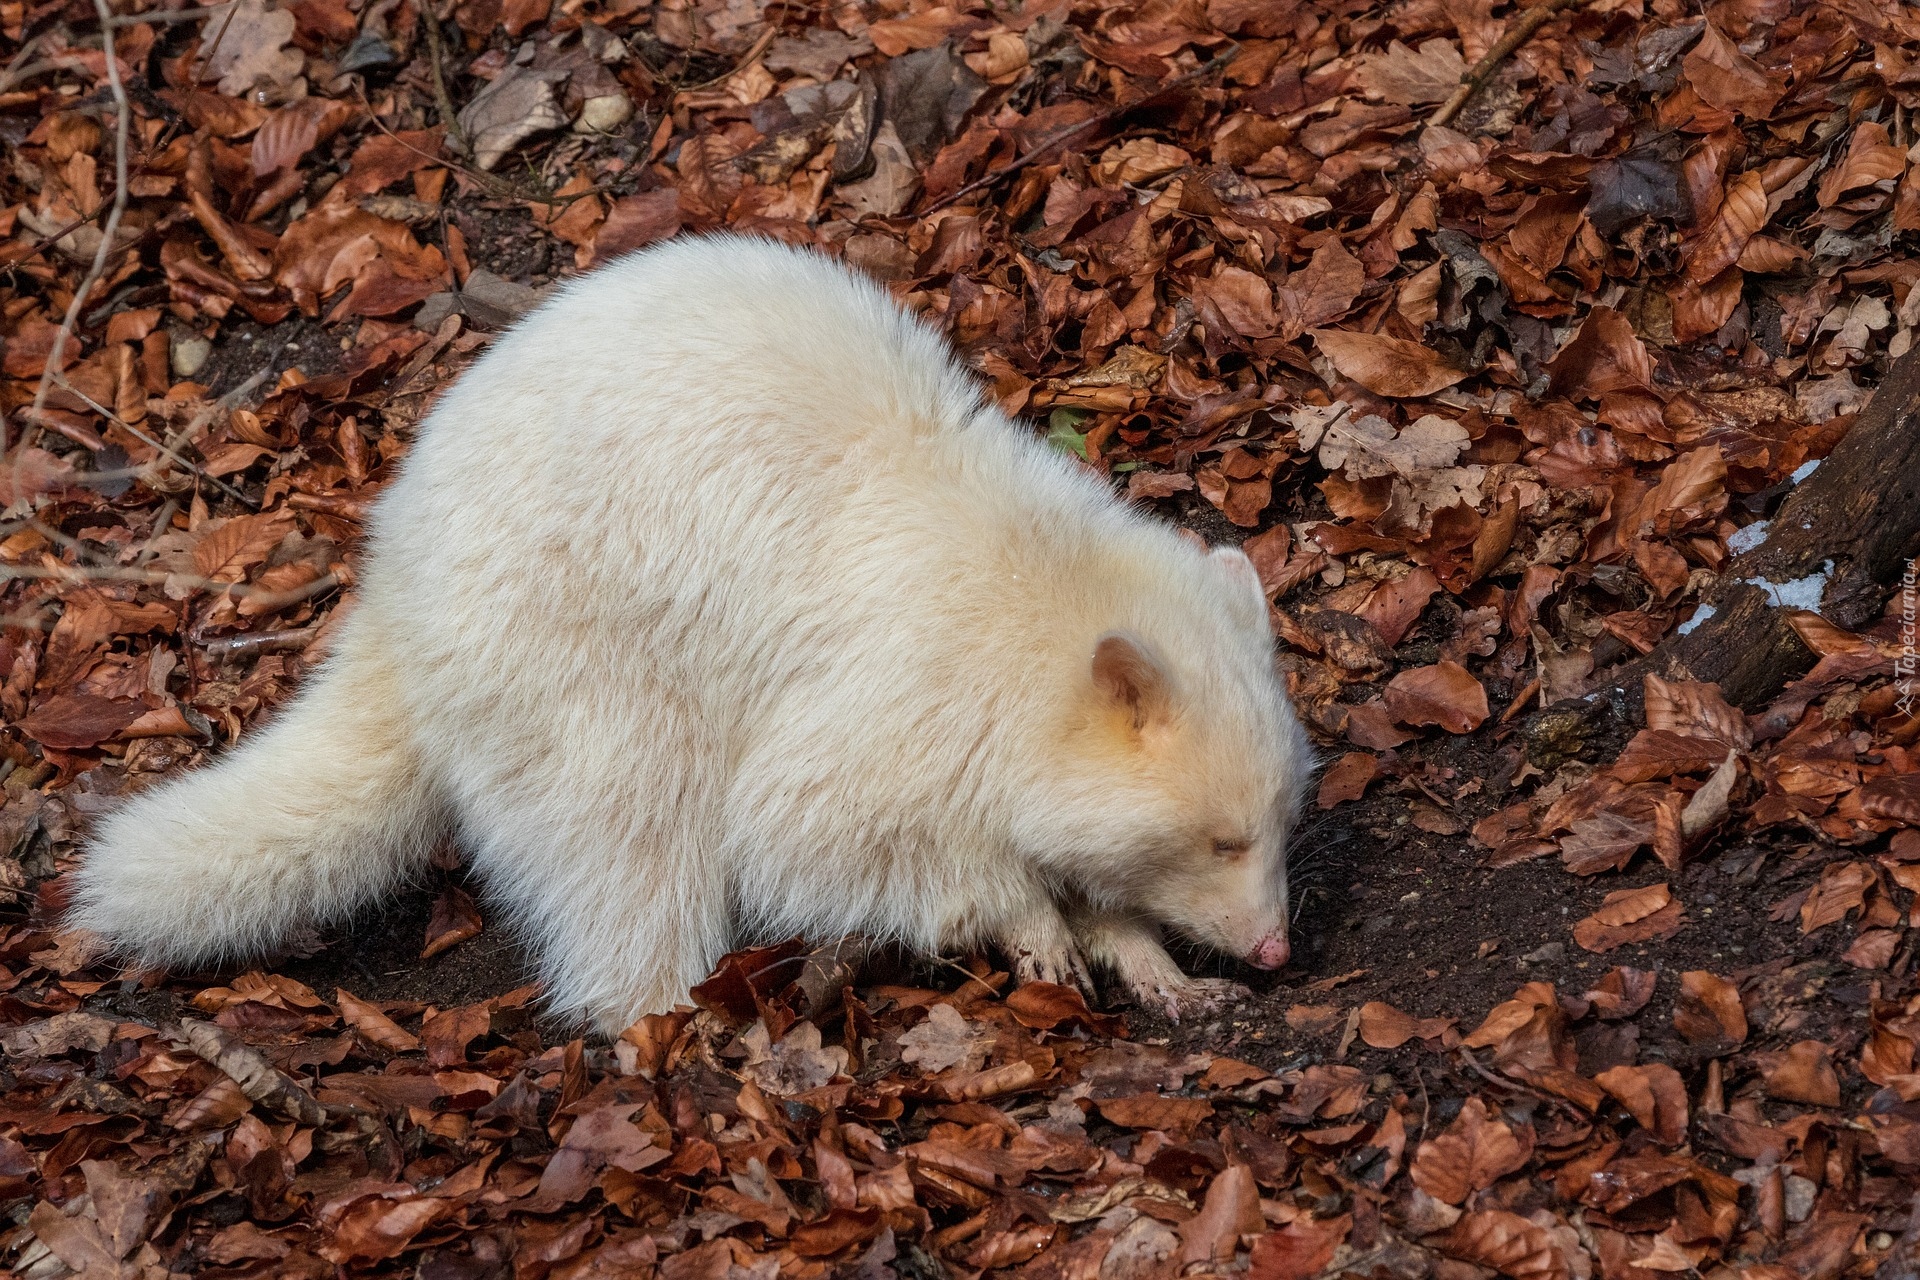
(1270, 952)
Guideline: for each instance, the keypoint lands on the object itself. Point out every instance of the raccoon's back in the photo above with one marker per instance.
(739, 463)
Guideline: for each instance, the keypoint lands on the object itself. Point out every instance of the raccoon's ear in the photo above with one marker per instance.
(1125, 672)
(1240, 571)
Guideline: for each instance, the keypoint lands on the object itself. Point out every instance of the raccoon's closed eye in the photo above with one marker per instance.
(1231, 848)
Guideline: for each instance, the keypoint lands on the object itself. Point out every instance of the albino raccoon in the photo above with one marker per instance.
(713, 604)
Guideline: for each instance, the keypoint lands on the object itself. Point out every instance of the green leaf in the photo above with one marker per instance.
(1061, 434)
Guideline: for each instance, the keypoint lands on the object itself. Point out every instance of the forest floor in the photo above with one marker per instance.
(1591, 977)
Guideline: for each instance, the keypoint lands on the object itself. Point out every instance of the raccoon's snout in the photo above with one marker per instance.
(1270, 952)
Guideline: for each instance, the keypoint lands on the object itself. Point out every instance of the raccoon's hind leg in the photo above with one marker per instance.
(622, 927)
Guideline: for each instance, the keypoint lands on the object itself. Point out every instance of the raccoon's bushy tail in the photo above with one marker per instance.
(316, 812)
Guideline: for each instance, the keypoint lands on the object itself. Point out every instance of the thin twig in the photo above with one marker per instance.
(13, 71)
(289, 641)
(747, 59)
(1074, 130)
(122, 127)
(144, 438)
(494, 185)
(156, 578)
(436, 64)
(1518, 34)
(175, 15)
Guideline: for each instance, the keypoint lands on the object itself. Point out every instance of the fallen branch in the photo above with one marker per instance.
(165, 451)
(293, 640)
(1475, 80)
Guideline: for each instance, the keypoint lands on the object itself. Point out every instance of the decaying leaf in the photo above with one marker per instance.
(946, 1041)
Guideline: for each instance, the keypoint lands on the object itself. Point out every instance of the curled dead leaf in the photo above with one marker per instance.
(1709, 1010)
(1629, 916)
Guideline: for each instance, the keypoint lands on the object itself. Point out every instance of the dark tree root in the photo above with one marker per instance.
(1855, 523)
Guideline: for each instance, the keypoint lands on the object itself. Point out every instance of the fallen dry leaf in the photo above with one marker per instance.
(1477, 1150)
(1444, 694)
(1385, 1027)
(1384, 365)
(1630, 916)
(1801, 1073)
(1709, 1010)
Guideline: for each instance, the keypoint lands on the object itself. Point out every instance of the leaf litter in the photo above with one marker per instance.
(1488, 403)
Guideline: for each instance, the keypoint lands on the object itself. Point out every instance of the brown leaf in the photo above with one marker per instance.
(635, 221)
(1621, 992)
(448, 1032)
(1230, 1212)
(230, 549)
(946, 1040)
(1728, 78)
(1315, 1019)
(1630, 916)
(1153, 1111)
(371, 1228)
(1506, 1242)
(1046, 1005)
(373, 1026)
(383, 159)
(1384, 365)
(1843, 888)
(839, 1229)
(1444, 694)
(292, 131)
(1605, 355)
(1802, 1073)
(1871, 158)
(214, 1107)
(1299, 1250)
(1896, 799)
(454, 919)
(1347, 778)
(1384, 1027)
(1477, 1150)
(74, 721)
(1406, 77)
(1662, 753)
(1709, 1010)
(1743, 212)
(602, 1138)
(1696, 710)
(1654, 1095)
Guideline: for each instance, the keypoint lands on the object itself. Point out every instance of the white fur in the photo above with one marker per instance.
(711, 605)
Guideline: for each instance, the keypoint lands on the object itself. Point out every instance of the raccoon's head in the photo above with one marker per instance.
(1182, 770)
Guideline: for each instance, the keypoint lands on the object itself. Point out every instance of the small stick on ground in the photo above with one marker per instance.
(1521, 32)
(442, 100)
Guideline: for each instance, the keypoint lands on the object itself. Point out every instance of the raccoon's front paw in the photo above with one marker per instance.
(1186, 998)
(1062, 966)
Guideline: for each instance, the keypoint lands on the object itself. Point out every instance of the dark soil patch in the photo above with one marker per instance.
(247, 348)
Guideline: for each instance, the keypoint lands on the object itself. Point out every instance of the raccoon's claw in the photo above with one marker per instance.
(1063, 968)
(1189, 997)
